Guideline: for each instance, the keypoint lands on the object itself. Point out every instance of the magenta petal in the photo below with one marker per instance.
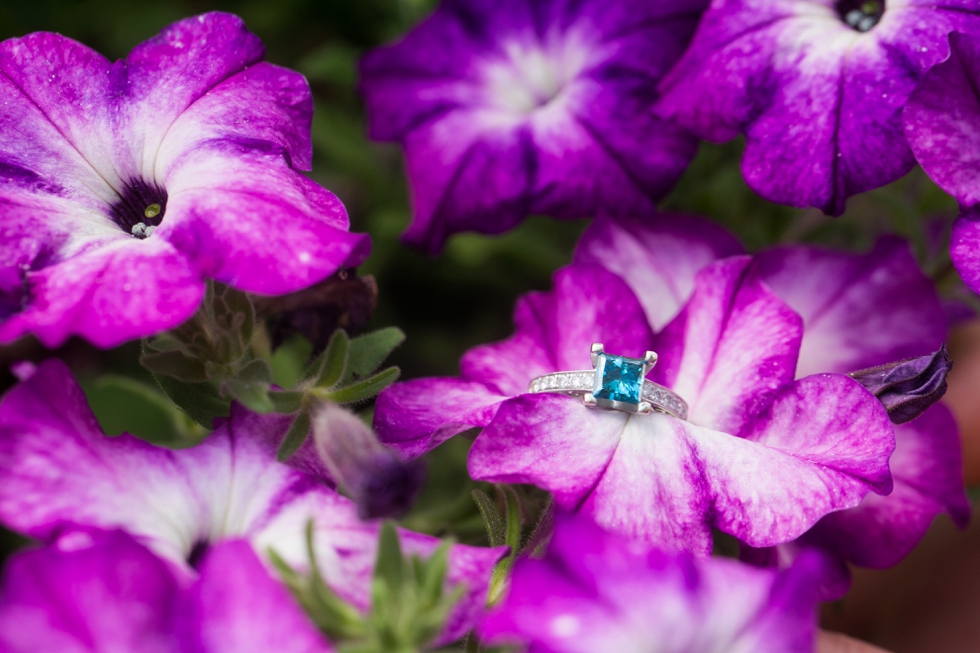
(964, 248)
(417, 416)
(91, 591)
(236, 607)
(551, 441)
(594, 591)
(731, 348)
(249, 221)
(928, 475)
(129, 289)
(657, 255)
(840, 298)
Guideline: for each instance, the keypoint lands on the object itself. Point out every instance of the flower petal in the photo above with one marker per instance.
(840, 298)
(823, 445)
(124, 290)
(417, 416)
(236, 607)
(91, 591)
(551, 441)
(928, 474)
(248, 220)
(941, 120)
(731, 348)
(657, 255)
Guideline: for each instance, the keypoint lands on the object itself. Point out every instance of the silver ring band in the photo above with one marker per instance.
(581, 383)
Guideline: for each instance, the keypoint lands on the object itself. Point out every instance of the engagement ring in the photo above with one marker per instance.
(617, 383)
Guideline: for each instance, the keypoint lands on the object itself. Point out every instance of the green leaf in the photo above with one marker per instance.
(286, 401)
(201, 401)
(367, 352)
(494, 522)
(288, 361)
(295, 437)
(251, 386)
(434, 572)
(363, 390)
(330, 366)
(174, 363)
(234, 317)
(124, 405)
(389, 568)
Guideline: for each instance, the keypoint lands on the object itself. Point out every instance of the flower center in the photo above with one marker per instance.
(530, 77)
(862, 15)
(140, 208)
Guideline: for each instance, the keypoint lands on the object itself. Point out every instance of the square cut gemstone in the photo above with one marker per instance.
(618, 379)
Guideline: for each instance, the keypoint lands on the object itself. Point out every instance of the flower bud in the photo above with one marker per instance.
(380, 481)
(907, 387)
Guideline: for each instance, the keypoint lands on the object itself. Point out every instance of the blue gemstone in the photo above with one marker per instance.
(618, 379)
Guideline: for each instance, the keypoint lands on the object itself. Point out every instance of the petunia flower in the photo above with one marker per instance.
(941, 122)
(595, 592)
(93, 590)
(59, 468)
(125, 186)
(816, 86)
(760, 456)
(859, 311)
(507, 108)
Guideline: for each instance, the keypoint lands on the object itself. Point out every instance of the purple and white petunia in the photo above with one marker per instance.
(125, 186)
(595, 592)
(93, 590)
(858, 311)
(942, 122)
(59, 468)
(762, 456)
(816, 86)
(508, 108)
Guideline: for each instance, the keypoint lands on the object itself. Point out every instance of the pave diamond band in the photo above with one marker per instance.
(616, 383)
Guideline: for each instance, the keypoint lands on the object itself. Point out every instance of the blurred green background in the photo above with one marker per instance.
(447, 304)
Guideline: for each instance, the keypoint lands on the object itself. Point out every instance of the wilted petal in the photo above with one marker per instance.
(908, 387)
(657, 255)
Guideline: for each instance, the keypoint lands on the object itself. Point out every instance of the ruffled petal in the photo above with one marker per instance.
(928, 474)
(822, 446)
(245, 218)
(657, 255)
(840, 298)
(731, 348)
(124, 290)
(551, 441)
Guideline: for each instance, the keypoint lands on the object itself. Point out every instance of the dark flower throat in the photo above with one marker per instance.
(140, 208)
(862, 15)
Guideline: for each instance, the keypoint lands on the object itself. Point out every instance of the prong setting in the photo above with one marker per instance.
(589, 400)
(595, 353)
(649, 361)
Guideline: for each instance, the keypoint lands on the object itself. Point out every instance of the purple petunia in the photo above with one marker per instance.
(599, 593)
(125, 186)
(942, 121)
(93, 590)
(60, 469)
(507, 108)
(762, 455)
(816, 86)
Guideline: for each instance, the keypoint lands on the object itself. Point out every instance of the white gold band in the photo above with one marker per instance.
(582, 382)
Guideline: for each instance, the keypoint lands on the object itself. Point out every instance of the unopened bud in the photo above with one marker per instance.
(381, 482)
(907, 387)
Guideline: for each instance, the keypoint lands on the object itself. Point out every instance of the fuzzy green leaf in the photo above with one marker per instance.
(329, 367)
(367, 352)
(492, 519)
(251, 386)
(362, 390)
(295, 437)
(174, 363)
(201, 401)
